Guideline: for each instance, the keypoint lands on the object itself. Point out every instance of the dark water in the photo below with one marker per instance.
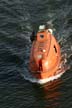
(17, 20)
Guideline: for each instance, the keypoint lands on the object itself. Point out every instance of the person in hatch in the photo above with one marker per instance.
(41, 29)
(33, 36)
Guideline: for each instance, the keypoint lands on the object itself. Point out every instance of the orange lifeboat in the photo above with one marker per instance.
(45, 57)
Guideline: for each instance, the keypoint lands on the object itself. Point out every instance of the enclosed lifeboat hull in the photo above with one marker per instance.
(45, 56)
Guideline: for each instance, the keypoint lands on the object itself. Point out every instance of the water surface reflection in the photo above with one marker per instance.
(49, 94)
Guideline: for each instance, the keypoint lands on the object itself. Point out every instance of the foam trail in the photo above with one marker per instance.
(41, 81)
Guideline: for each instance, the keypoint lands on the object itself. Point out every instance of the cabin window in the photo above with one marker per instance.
(55, 48)
(41, 36)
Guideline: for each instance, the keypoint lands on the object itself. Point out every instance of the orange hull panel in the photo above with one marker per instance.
(45, 56)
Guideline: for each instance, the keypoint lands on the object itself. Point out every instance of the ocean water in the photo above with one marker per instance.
(18, 18)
